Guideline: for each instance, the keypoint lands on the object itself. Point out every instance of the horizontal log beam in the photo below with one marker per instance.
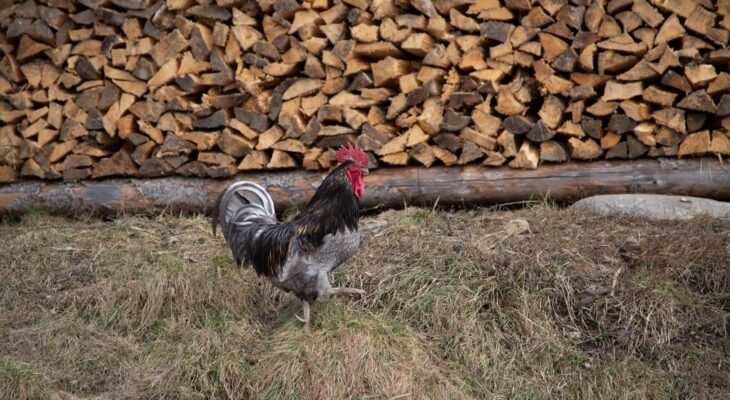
(387, 187)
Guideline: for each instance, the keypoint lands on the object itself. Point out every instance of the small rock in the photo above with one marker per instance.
(517, 227)
(661, 207)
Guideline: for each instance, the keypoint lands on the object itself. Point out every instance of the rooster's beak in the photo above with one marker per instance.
(365, 171)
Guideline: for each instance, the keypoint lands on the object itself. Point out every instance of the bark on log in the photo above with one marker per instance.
(388, 187)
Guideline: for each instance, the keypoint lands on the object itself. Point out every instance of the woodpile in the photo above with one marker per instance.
(97, 88)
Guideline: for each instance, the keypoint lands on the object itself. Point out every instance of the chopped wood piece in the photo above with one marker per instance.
(552, 46)
(621, 123)
(215, 158)
(424, 6)
(700, 75)
(618, 91)
(553, 152)
(31, 168)
(507, 141)
(536, 18)
(540, 132)
(269, 137)
(444, 155)
(552, 111)
(203, 140)
(120, 163)
(388, 71)
(302, 87)
(676, 81)
(698, 101)
(670, 30)
(586, 149)
(494, 30)
(462, 22)
(234, 145)
(571, 128)
(175, 146)
(28, 48)
(700, 20)
(655, 95)
(165, 74)
(418, 44)
(400, 158)
(449, 141)
(420, 94)
(423, 153)
(721, 84)
(527, 158)
(517, 124)
(454, 121)
(255, 160)
(620, 150)
(608, 27)
(637, 111)
(668, 137)
(216, 120)
(614, 62)
(365, 33)
(695, 143)
(154, 167)
(639, 72)
(671, 118)
(723, 109)
(478, 138)
(494, 159)
(311, 157)
(431, 116)
(469, 153)
(592, 127)
(8, 174)
(647, 13)
(720, 143)
(565, 62)
(507, 103)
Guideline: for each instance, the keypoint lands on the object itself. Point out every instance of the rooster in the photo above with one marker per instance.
(297, 256)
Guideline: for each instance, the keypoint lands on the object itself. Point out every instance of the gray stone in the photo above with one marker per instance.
(654, 206)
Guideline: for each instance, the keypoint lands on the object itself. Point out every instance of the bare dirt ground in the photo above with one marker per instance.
(458, 306)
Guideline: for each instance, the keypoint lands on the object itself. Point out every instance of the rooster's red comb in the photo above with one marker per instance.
(353, 153)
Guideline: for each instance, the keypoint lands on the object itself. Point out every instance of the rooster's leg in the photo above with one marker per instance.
(343, 290)
(305, 310)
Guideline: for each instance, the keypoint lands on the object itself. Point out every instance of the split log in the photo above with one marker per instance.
(384, 187)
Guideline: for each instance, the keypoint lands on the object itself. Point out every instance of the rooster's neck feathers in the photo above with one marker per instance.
(334, 206)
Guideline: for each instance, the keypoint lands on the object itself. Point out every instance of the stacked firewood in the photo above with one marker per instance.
(97, 88)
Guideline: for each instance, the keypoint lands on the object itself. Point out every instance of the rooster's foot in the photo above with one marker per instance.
(305, 310)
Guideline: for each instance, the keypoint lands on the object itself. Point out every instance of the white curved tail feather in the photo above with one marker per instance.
(242, 203)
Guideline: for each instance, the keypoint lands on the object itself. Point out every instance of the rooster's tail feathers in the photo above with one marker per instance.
(242, 203)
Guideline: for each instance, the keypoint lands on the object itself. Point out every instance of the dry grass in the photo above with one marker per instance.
(580, 307)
